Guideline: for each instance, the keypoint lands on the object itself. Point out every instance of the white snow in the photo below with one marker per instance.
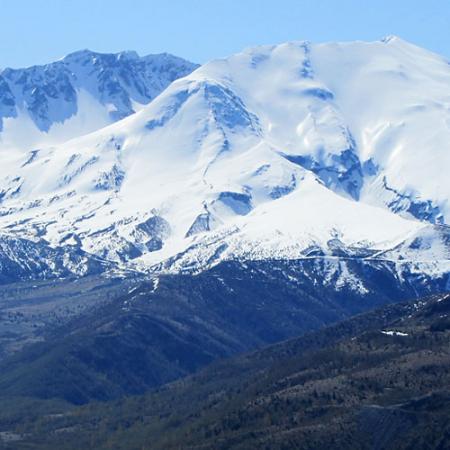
(155, 284)
(394, 333)
(21, 133)
(226, 144)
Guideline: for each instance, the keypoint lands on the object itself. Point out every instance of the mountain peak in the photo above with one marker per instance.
(80, 93)
(90, 54)
(277, 152)
(391, 38)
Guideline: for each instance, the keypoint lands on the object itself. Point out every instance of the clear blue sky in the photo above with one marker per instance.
(39, 31)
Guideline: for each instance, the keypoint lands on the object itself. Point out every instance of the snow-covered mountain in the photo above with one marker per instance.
(81, 93)
(330, 151)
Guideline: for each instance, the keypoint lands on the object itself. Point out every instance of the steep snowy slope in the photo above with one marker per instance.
(290, 151)
(81, 93)
(370, 119)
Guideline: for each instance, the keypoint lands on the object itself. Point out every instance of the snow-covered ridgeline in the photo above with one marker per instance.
(78, 94)
(290, 151)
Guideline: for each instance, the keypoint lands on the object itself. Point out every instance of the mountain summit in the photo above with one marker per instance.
(80, 93)
(328, 151)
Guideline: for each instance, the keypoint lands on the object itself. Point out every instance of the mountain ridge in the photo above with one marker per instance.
(60, 94)
(259, 155)
(378, 380)
(165, 216)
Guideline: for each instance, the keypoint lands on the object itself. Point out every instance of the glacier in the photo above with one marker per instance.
(332, 152)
